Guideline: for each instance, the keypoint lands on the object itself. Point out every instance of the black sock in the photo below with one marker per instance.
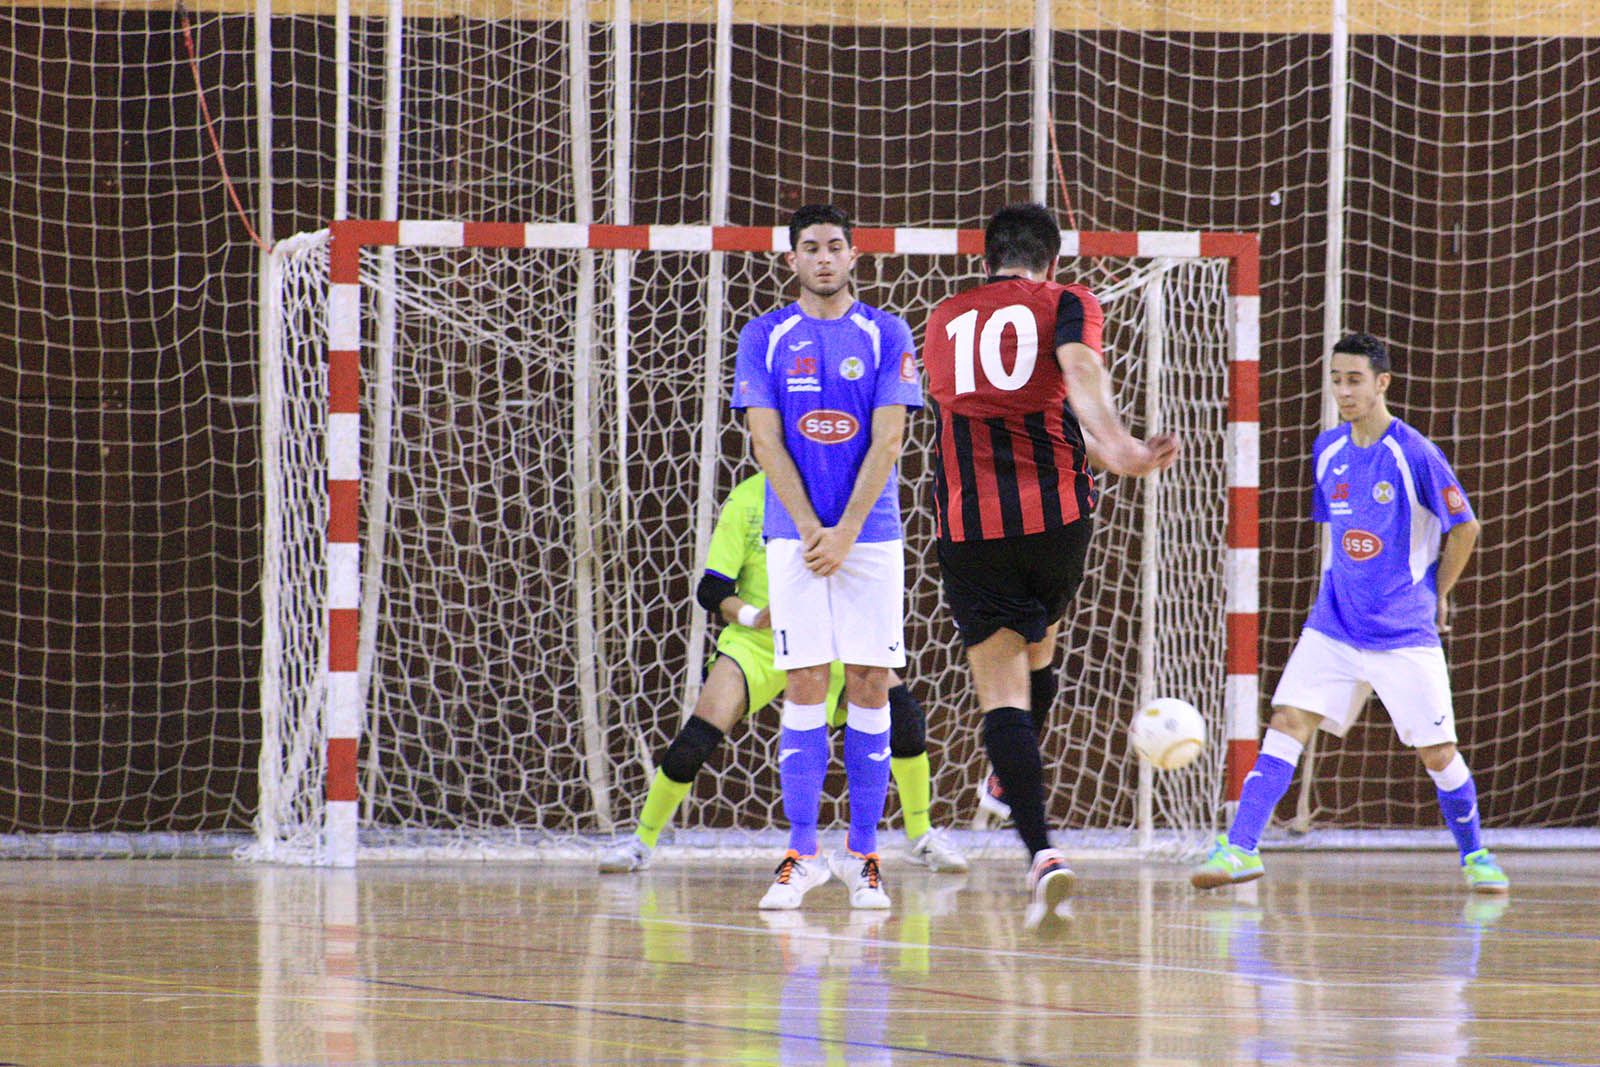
(1042, 686)
(1014, 751)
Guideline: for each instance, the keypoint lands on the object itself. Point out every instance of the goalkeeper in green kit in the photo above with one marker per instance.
(742, 677)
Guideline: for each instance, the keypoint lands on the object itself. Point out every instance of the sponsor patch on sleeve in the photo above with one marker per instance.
(1454, 500)
(908, 367)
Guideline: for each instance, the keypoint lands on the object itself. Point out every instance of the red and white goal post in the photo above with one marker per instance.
(494, 453)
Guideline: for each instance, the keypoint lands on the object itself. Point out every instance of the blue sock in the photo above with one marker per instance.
(802, 766)
(1264, 786)
(1458, 803)
(866, 765)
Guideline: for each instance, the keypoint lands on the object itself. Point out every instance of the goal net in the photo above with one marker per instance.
(523, 448)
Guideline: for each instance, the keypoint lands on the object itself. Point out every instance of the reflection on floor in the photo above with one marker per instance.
(1332, 958)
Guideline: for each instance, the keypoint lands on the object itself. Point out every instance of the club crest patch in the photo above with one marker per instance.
(908, 367)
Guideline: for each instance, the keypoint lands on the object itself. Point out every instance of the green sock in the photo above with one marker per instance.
(663, 799)
(916, 793)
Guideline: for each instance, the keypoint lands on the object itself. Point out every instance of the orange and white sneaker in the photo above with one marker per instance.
(992, 807)
(1050, 883)
(797, 875)
(863, 875)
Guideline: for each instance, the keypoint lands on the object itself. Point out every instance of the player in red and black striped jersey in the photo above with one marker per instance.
(1012, 458)
(1024, 405)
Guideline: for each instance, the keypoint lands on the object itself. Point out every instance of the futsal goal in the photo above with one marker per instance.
(493, 454)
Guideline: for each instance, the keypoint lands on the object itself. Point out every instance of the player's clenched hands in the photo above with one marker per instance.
(1441, 617)
(824, 550)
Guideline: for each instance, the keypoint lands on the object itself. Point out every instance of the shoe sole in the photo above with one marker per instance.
(1058, 886)
(1494, 889)
(995, 810)
(1218, 879)
(1045, 916)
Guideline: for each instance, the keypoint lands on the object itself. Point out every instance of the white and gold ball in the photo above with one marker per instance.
(1168, 733)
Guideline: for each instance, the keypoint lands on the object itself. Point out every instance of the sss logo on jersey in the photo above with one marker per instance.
(1360, 545)
(828, 427)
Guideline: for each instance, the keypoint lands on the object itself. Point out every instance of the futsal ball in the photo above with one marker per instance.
(1168, 732)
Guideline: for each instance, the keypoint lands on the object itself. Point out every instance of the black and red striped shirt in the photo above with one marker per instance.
(1011, 456)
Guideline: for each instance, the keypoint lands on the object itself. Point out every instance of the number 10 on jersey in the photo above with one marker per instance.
(963, 333)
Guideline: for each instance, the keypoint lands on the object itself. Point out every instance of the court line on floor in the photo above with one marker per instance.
(632, 1016)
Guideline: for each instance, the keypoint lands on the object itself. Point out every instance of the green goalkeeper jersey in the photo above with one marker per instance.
(737, 552)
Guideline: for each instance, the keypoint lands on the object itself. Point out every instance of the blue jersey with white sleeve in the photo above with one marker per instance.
(1387, 506)
(825, 377)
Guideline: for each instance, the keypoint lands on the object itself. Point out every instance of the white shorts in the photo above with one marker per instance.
(1334, 680)
(855, 615)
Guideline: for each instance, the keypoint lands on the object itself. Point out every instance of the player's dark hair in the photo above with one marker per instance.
(1364, 344)
(811, 215)
(1022, 235)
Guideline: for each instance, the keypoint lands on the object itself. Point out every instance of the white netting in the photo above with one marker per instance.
(487, 731)
(131, 517)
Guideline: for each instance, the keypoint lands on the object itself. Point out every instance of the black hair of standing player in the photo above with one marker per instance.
(1364, 344)
(1022, 235)
(814, 214)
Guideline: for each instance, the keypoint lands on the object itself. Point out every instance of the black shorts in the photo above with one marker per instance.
(1013, 583)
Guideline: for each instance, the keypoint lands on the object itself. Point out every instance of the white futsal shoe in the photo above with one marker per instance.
(629, 856)
(932, 851)
(797, 875)
(863, 875)
(1050, 883)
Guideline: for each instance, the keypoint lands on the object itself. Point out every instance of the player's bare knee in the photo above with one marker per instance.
(1042, 653)
(1437, 757)
(1296, 722)
(807, 685)
(721, 711)
(867, 687)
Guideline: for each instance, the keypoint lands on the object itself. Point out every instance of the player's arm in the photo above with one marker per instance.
(1110, 444)
(766, 442)
(1458, 546)
(718, 593)
(826, 551)
(1092, 447)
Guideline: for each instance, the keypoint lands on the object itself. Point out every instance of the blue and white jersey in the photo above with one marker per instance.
(1387, 506)
(825, 377)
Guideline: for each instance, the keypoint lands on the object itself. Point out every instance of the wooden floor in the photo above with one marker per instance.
(1334, 958)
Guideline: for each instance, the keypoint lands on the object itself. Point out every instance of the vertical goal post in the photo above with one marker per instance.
(344, 711)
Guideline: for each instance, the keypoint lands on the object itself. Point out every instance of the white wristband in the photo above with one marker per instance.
(748, 615)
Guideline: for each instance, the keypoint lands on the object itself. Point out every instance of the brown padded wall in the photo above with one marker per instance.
(129, 499)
